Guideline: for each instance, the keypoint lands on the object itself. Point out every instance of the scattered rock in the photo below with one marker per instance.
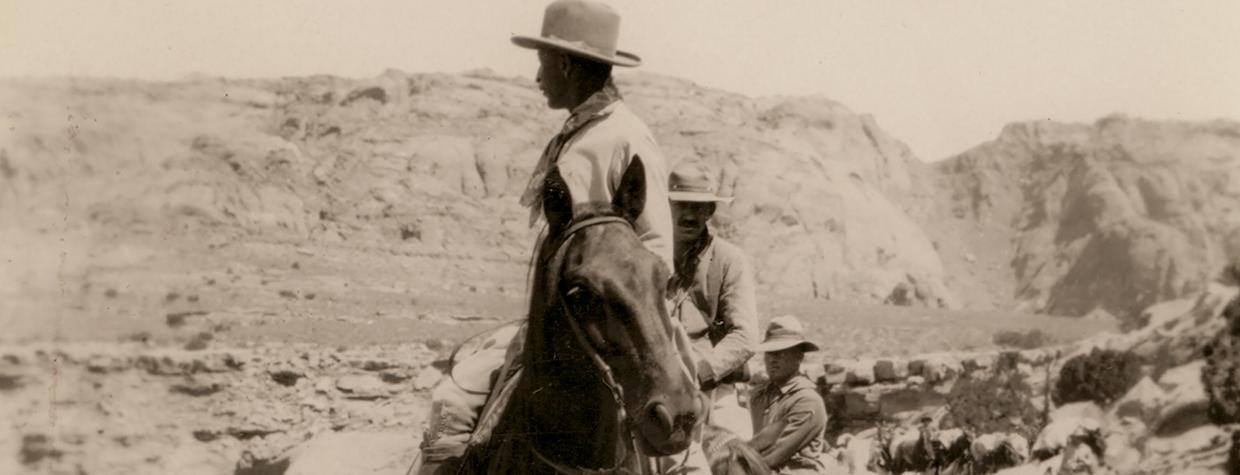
(1066, 422)
(288, 294)
(1144, 401)
(106, 364)
(9, 382)
(427, 379)
(140, 337)
(203, 435)
(373, 365)
(324, 385)
(286, 376)
(361, 453)
(363, 386)
(177, 319)
(37, 447)
(197, 389)
(251, 465)
(395, 376)
(198, 342)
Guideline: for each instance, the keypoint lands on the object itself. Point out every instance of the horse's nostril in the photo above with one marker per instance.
(658, 412)
(687, 421)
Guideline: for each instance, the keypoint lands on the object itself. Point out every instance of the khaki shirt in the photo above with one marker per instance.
(719, 312)
(599, 140)
(790, 423)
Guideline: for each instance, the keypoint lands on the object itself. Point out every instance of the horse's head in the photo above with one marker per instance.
(613, 290)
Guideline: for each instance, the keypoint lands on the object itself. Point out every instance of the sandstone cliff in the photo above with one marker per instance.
(1115, 215)
(434, 163)
(1060, 218)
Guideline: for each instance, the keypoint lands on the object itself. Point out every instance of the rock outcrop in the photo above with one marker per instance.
(1117, 215)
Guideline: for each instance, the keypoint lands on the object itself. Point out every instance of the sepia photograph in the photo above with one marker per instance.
(708, 237)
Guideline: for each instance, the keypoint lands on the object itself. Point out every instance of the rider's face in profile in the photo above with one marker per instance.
(553, 79)
(783, 364)
(690, 218)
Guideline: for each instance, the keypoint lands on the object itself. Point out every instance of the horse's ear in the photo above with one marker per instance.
(630, 197)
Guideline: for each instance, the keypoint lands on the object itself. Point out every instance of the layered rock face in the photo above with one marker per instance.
(435, 163)
(1117, 215)
(1062, 218)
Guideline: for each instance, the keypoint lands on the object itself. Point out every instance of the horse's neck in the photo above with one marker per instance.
(576, 420)
(568, 406)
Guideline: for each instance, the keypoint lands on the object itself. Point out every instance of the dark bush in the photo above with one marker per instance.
(998, 402)
(1102, 376)
(1023, 340)
(1221, 374)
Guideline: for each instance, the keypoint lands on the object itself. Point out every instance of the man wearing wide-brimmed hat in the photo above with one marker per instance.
(789, 416)
(712, 295)
(601, 136)
(585, 160)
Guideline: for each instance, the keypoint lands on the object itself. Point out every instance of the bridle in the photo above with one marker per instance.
(606, 375)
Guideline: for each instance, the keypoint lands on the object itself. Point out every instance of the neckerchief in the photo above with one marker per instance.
(687, 262)
(596, 106)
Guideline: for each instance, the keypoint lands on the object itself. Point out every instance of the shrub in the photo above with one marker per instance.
(1221, 374)
(999, 402)
(1101, 376)
(1023, 340)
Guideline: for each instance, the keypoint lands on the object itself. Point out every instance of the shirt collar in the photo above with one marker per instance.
(598, 104)
(795, 383)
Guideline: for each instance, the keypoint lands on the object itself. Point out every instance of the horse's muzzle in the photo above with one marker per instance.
(666, 424)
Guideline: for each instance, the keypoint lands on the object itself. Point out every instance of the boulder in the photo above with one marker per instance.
(1187, 404)
(1066, 421)
(1123, 452)
(859, 373)
(885, 371)
(427, 378)
(363, 386)
(1143, 401)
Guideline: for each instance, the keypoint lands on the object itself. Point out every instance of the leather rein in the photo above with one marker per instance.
(624, 425)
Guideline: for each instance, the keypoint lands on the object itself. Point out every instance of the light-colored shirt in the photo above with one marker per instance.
(595, 158)
(719, 310)
(790, 422)
(600, 139)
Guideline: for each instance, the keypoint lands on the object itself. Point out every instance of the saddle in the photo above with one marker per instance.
(482, 376)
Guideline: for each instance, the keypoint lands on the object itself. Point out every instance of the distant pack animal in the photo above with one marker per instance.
(997, 451)
(955, 455)
(907, 451)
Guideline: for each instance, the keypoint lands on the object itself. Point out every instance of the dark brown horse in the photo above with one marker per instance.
(602, 386)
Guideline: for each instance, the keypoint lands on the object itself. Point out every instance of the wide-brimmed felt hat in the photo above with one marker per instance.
(785, 332)
(693, 183)
(584, 28)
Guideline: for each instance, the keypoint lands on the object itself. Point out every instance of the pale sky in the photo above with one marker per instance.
(941, 75)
